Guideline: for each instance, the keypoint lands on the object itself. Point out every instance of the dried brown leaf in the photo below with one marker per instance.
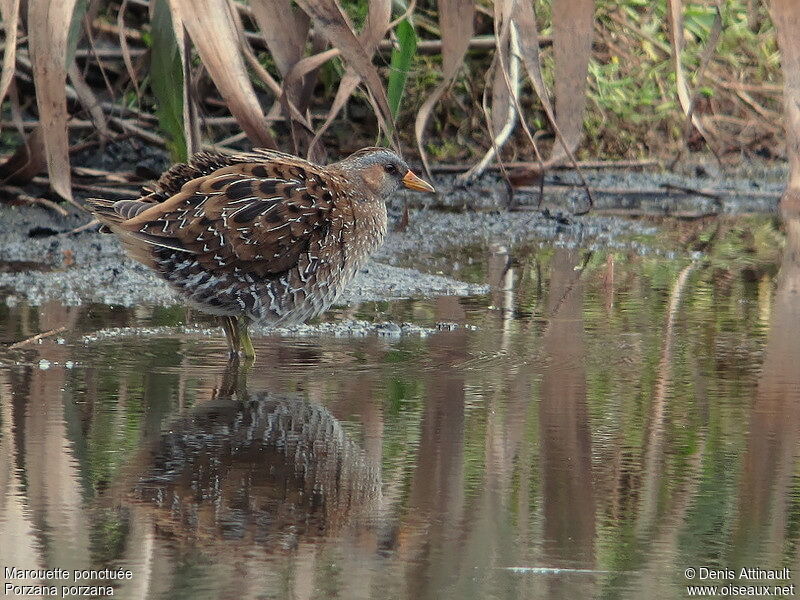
(456, 24)
(523, 19)
(331, 22)
(380, 12)
(285, 31)
(505, 86)
(191, 120)
(211, 27)
(273, 85)
(10, 15)
(787, 23)
(268, 80)
(501, 99)
(88, 100)
(306, 65)
(47, 40)
(675, 18)
(312, 62)
(573, 25)
(377, 24)
(27, 161)
(126, 52)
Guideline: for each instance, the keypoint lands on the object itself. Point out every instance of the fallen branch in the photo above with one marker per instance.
(111, 176)
(80, 228)
(713, 194)
(124, 192)
(632, 212)
(148, 136)
(21, 197)
(109, 53)
(37, 337)
(667, 190)
(583, 164)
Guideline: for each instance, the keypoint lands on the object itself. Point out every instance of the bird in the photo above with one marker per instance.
(260, 236)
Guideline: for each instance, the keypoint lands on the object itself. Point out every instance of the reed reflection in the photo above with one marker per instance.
(767, 487)
(566, 467)
(41, 483)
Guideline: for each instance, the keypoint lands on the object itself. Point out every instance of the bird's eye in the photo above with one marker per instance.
(391, 168)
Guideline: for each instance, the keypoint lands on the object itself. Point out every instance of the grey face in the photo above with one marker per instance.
(380, 170)
(395, 169)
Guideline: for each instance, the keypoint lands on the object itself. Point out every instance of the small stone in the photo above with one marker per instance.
(389, 329)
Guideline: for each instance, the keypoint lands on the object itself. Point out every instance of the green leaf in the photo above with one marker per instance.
(166, 80)
(401, 63)
(75, 30)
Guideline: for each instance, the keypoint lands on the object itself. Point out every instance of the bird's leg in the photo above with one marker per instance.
(231, 335)
(248, 351)
(230, 378)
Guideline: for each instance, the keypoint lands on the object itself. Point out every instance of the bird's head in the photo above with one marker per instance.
(381, 172)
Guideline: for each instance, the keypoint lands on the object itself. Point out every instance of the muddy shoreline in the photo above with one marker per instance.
(40, 260)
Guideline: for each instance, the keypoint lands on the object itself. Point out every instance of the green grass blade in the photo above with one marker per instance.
(401, 63)
(75, 30)
(166, 80)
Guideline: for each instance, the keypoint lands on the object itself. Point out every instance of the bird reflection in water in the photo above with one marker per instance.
(245, 477)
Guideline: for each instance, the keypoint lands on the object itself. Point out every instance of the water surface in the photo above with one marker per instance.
(600, 422)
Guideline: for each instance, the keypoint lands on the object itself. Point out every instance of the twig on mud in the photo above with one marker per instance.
(237, 137)
(148, 136)
(770, 116)
(100, 189)
(106, 27)
(37, 337)
(124, 192)
(667, 190)
(81, 228)
(110, 176)
(713, 194)
(93, 143)
(109, 53)
(33, 124)
(20, 196)
(633, 212)
(584, 164)
(269, 118)
(113, 107)
(764, 88)
(89, 101)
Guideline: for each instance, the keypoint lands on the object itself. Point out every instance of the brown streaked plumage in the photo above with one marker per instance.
(260, 236)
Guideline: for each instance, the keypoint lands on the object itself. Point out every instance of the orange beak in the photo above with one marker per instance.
(413, 182)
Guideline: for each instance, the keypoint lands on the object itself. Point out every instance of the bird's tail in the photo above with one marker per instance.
(111, 213)
(105, 212)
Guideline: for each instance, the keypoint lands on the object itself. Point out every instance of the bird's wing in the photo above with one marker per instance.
(259, 213)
